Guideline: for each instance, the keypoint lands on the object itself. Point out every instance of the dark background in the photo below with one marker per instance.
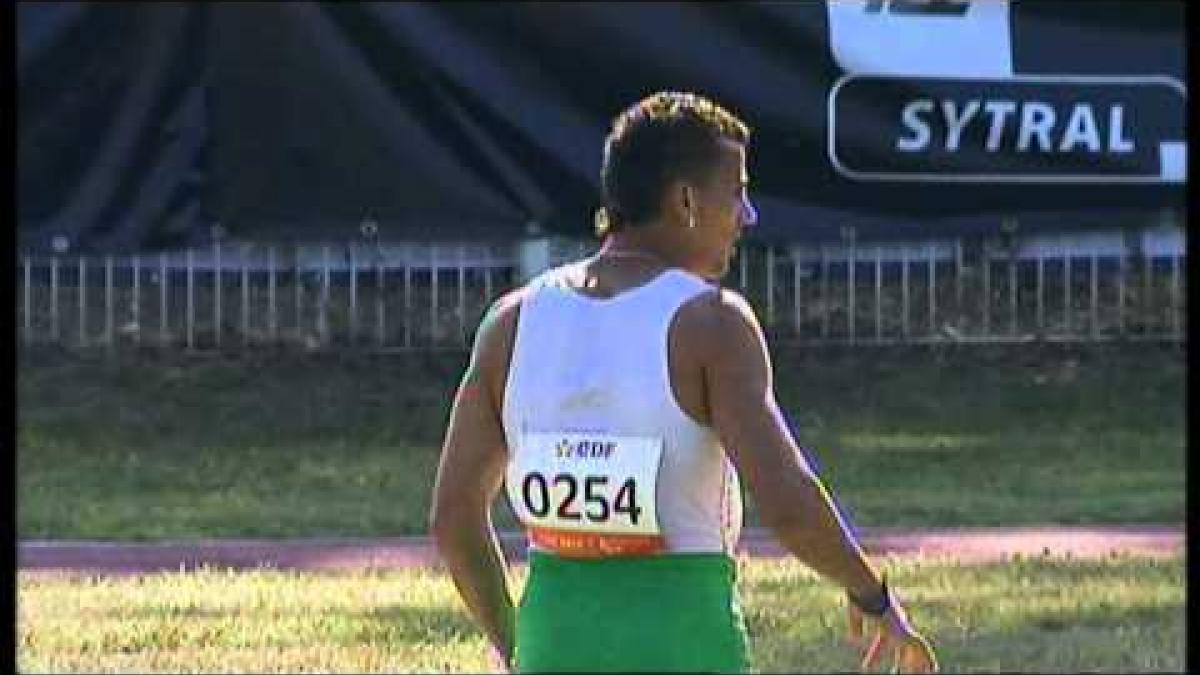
(142, 125)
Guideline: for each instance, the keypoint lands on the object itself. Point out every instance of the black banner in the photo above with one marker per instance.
(144, 126)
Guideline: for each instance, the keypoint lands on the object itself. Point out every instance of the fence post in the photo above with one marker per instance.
(878, 293)
(217, 289)
(1095, 296)
(930, 248)
(135, 261)
(487, 275)
(986, 263)
(191, 299)
(55, 333)
(959, 279)
(1147, 286)
(824, 292)
(851, 263)
(434, 277)
(408, 298)
(1122, 271)
(245, 272)
(904, 291)
(323, 315)
(1008, 227)
(1176, 294)
(108, 302)
(297, 282)
(380, 333)
(1012, 292)
(1041, 280)
(462, 294)
(82, 298)
(163, 302)
(26, 292)
(1067, 293)
(353, 338)
(272, 307)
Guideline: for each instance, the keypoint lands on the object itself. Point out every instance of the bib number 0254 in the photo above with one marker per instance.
(536, 491)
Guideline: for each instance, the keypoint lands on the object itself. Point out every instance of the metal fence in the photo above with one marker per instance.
(419, 296)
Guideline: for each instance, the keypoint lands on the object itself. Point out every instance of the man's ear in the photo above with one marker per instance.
(687, 197)
(678, 198)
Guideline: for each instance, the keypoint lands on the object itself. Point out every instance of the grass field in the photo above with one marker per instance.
(1044, 615)
(276, 445)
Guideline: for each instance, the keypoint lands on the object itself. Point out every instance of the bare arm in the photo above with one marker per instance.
(792, 501)
(469, 476)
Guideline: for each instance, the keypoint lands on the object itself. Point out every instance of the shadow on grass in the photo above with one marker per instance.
(408, 623)
(1095, 639)
(389, 625)
(1130, 640)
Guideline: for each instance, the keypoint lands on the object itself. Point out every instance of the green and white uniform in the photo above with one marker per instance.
(631, 507)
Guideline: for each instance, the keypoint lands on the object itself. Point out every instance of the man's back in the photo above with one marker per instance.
(591, 376)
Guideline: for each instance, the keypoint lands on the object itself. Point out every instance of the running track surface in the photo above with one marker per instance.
(975, 545)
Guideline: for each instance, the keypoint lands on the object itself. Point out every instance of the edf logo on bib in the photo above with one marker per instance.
(585, 449)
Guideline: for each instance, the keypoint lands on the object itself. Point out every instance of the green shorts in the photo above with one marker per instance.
(665, 613)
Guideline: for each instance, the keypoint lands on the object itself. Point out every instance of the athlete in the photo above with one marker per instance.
(619, 400)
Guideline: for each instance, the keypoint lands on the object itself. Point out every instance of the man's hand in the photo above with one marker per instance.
(891, 634)
(500, 661)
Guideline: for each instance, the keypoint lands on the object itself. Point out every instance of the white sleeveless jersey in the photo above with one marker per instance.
(602, 460)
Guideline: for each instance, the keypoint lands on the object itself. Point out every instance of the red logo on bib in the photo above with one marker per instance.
(592, 545)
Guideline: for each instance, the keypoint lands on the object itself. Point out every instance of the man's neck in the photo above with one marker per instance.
(642, 241)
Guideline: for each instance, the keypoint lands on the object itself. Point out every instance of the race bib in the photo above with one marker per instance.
(586, 495)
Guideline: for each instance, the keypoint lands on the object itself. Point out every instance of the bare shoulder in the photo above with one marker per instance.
(494, 340)
(501, 316)
(718, 319)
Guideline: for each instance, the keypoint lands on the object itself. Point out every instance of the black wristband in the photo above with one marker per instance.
(877, 606)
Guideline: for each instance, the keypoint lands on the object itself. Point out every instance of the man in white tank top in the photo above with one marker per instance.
(617, 401)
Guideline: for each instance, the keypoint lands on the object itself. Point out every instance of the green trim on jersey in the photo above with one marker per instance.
(665, 613)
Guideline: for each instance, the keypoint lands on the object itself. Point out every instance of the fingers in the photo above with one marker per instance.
(909, 654)
(893, 636)
(498, 661)
(918, 657)
(874, 652)
(854, 630)
(913, 657)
